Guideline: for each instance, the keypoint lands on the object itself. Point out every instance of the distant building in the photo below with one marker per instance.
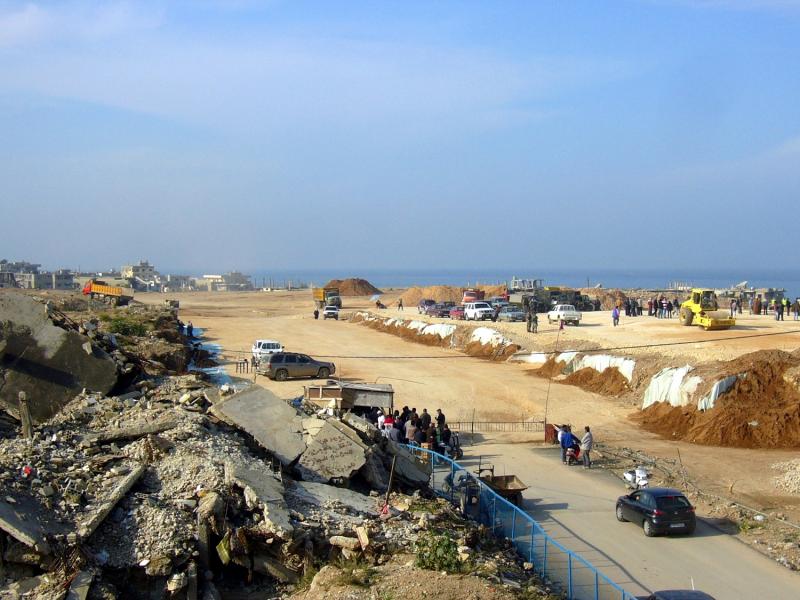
(144, 271)
(7, 280)
(21, 266)
(229, 282)
(175, 283)
(62, 279)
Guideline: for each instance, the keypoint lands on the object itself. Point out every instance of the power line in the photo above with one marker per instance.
(548, 352)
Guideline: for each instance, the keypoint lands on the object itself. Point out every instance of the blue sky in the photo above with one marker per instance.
(213, 135)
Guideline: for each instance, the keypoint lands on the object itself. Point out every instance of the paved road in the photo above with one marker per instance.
(576, 507)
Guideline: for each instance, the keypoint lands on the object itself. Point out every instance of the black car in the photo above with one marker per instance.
(678, 595)
(658, 510)
(439, 310)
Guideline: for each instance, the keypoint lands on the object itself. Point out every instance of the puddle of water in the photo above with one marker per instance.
(217, 374)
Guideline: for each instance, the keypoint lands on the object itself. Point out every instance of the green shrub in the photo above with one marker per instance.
(437, 552)
(126, 326)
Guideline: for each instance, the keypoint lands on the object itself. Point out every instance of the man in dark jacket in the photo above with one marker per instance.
(567, 441)
(425, 419)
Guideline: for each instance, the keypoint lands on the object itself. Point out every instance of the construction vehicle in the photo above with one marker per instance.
(700, 310)
(326, 296)
(110, 294)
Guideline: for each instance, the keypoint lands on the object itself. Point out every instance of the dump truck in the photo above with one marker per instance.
(327, 296)
(110, 294)
(701, 309)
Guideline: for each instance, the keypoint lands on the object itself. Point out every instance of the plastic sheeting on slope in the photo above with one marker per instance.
(488, 336)
(720, 387)
(534, 358)
(672, 386)
(601, 362)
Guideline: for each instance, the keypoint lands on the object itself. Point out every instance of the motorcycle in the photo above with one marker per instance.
(573, 455)
(637, 478)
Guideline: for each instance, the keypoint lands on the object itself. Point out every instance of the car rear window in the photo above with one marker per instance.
(482, 305)
(672, 502)
(276, 358)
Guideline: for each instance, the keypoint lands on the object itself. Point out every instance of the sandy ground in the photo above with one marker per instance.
(464, 387)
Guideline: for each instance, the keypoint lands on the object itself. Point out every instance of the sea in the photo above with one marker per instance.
(788, 279)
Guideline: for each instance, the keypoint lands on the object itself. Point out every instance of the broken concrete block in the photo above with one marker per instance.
(364, 427)
(47, 362)
(261, 489)
(89, 523)
(23, 526)
(335, 452)
(320, 494)
(408, 467)
(79, 588)
(271, 421)
(345, 542)
(374, 470)
(264, 563)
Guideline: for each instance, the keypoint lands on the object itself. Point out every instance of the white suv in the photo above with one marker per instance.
(478, 311)
(330, 312)
(262, 348)
(564, 312)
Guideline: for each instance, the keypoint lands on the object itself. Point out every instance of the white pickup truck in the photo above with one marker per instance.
(478, 311)
(564, 312)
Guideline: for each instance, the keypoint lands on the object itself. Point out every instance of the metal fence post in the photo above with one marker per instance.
(544, 560)
(569, 574)
(532, 554)
(452, 480)
(494, 513)
(513, 525)
(433, 472)
(596, 586)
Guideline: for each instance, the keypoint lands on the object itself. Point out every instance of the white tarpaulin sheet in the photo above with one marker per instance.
(671, 385)
(719, 388)
(534, 358)
(492, 337)
(566, 357)
(601, 362)
(443, 330)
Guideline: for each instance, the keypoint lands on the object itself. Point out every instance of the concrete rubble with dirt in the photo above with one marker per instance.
(149, 482)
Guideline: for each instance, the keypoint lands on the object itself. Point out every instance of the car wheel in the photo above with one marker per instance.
(648, 528)
(620, 517)
(282, 375)
(323, 373)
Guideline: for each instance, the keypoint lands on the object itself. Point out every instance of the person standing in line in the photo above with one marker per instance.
(587, 442)
(440, 418)
(425, 419)
(796, 309)
(535, 323)
(529, 319)
(190, 330)
(615, 316)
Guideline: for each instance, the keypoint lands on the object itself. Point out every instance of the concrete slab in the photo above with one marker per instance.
(335, 452)
(23, 525)
(318, 494)
(271, 421)
(261, 489)
(45, 361)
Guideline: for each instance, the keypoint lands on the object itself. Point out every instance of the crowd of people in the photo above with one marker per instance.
(409, 427)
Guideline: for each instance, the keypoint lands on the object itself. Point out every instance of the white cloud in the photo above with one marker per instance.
(36, 24)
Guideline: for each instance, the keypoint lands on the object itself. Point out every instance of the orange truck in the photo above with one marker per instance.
(472, 295)
(111, 294)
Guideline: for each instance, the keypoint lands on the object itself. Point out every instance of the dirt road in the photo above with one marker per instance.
(462, 386)
(576, 507)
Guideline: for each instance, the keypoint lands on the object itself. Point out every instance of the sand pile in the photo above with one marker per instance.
(446, 293)
(353, 287)
(608, 383)
(440, 293)
(550, 368)
(608, 298)
(761, 410)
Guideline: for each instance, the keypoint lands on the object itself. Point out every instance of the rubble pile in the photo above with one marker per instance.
(789, 479)
(174, 488)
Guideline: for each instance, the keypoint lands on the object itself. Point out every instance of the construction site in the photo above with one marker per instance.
(141, 462)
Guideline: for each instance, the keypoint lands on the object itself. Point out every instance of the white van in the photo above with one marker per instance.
(262, 348)
(478, 311)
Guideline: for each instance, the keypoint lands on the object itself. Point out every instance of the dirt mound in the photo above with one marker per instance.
(608, 298)
(608, 383)
(498, 353)
(446, 293)
(353, 287)
(550, 368)
(761, 410)
(412, 335)
(440, 293)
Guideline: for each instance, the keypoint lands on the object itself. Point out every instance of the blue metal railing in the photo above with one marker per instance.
(578, 578)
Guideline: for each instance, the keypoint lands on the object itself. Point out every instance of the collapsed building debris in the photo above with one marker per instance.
(169, 490)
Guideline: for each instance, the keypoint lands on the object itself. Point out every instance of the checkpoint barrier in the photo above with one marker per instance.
(576, 576)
